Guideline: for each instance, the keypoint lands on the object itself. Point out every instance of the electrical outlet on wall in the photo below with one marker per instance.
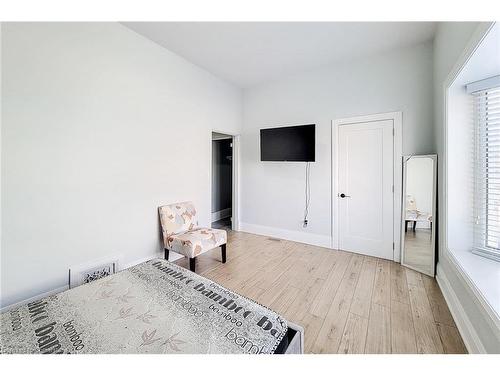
(304, 223)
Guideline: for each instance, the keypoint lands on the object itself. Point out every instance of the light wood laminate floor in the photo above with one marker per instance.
(418, 249)
(346, 302)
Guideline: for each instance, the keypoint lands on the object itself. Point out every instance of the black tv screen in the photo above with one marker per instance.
(290, 143)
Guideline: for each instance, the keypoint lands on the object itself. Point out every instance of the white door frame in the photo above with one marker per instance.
(397, 118)
(235, 209)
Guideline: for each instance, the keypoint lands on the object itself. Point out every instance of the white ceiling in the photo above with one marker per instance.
(250, 53)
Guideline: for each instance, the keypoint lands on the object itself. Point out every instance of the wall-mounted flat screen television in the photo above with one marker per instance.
(290, 143)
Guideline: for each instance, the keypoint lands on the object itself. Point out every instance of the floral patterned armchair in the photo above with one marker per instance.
(182, 235)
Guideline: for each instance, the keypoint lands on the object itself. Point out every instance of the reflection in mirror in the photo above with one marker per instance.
(419, 213)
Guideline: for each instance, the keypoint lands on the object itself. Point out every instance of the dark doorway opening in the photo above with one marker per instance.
(222, 180)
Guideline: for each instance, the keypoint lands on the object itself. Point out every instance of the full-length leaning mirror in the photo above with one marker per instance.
(419, 213)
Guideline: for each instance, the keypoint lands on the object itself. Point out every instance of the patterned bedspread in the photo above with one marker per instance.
(154, 307)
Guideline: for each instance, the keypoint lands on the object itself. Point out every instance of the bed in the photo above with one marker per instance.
(153, 307)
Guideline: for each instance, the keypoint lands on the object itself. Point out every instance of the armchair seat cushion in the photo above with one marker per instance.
(197, 241)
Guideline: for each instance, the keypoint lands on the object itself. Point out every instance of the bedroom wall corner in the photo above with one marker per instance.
(273, 192)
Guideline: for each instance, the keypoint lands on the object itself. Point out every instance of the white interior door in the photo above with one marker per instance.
(365, 188)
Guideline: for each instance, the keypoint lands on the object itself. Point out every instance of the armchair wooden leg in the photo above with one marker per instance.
(192, 264)
(223, 251)
(166, 254)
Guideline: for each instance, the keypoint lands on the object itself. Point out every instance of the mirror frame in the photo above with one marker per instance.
(434, 158)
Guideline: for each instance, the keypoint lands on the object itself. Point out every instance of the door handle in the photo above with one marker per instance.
(342, 195)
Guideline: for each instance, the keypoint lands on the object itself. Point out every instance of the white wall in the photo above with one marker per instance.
(477, 327)
(273, 193)
(100, 126)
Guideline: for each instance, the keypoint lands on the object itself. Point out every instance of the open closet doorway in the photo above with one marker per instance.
(222, 181)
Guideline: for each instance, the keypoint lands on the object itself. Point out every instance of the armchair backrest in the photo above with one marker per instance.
(177, 218)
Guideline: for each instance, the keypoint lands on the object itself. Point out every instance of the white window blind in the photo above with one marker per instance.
(487, 173)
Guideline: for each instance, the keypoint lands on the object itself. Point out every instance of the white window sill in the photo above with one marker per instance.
(484, 274)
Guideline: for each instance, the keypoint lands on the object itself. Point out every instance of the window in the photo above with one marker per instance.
(472, 160)
(486, 112)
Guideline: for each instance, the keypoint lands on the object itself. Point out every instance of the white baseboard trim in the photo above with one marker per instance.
(285, 234)
(222, 214)
(141, 260)
(34, 298)
(469, 335)
(171, 257)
